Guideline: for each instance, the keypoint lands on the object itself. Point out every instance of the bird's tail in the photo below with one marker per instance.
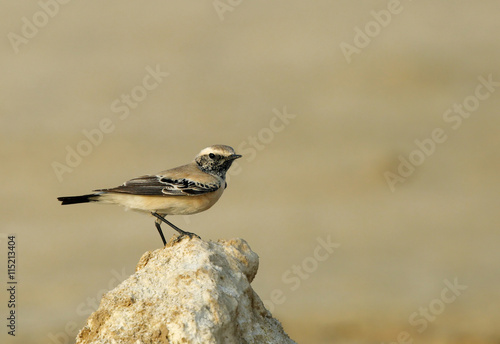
(79, 199)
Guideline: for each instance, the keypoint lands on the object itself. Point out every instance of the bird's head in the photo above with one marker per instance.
(216, 159)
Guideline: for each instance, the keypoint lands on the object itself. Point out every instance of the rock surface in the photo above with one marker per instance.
(191, 291)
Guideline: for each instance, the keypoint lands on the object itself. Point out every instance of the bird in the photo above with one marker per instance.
(183, 190)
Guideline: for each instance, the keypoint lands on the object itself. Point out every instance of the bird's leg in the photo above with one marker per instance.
(181, 232)
(158, 226)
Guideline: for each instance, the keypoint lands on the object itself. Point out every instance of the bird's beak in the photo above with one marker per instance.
(233, 157)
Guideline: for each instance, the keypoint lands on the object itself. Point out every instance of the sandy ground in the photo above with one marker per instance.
(370, 126)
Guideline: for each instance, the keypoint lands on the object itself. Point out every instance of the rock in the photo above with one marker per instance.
(191, 291)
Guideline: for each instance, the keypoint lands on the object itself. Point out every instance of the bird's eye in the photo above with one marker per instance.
(211, 155)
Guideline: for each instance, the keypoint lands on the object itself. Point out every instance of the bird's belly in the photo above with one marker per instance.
(168, 205)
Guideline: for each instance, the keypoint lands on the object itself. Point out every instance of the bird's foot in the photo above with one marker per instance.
(184, 234)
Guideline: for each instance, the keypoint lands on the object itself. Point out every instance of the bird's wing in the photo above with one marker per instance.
(158, 185)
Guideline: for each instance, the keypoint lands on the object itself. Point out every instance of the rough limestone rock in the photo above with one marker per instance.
(191, 291)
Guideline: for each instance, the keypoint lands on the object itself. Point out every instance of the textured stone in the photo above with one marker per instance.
(191, 291)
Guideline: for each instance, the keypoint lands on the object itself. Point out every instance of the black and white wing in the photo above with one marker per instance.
(155, 185)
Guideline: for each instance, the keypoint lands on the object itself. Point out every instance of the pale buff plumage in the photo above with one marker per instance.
(168, 204)
(184, 190)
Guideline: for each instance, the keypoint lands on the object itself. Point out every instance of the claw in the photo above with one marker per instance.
(182, 234)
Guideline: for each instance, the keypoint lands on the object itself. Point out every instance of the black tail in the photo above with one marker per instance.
(78, 199)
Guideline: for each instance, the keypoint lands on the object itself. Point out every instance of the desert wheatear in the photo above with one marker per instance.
(184, 190)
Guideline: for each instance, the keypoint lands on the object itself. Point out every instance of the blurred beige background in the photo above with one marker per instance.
(317, 176)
